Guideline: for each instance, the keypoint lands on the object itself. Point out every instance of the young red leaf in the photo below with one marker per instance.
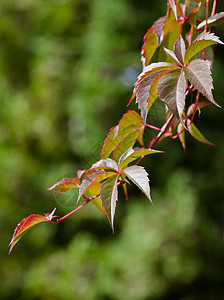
(212, 21)
(109, 197)
(139, 177)
(195, 107)
(202, 41)
(65, 185)
(26, 224)
(199, 74)
(171, 90)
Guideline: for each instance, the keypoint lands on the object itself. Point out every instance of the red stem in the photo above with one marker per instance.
(162, 131)
(75, 210)
(215, 2)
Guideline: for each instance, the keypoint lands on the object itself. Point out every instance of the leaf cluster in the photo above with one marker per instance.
(183, 69)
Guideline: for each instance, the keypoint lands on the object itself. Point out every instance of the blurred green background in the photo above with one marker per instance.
(67, 69)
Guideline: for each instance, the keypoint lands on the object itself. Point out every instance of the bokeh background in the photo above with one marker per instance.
(67, 69)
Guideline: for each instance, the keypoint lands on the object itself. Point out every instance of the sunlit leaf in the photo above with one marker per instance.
(153, 89)
(130, 127)
(26, 224)
(91, 180)
(133, 154)
(106, 163)
(174, 7)
(149, 47)
(169, 40)
(109, 196)
(171, 90)
(202, 41)
(139, 176)
(125, 143)
(199, 74)
(212, 21)
(195, 133)
(65, 185)
(94, 190)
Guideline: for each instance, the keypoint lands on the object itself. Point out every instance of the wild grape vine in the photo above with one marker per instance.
(181, 79)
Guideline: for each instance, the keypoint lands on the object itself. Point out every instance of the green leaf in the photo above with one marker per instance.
(94, 190)
(193, 15)
(133, 154)
(195, 133)
(129, 128)
(65, 185)
(212, 21)
(202, 41)
(171, 90)
(149, 47)
(153, 89)
(109, 196)
(26, 224)
(91, 180)
(199, 74)
(125, 143)
(181, 135)
(174, 7)
(139, 177)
